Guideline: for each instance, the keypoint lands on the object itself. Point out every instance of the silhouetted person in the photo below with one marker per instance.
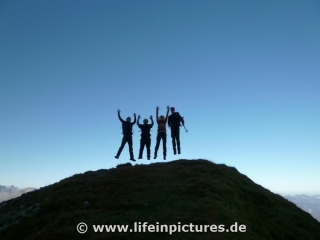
(161, 133)
(174, 122)
(127, 135)
(145, 136)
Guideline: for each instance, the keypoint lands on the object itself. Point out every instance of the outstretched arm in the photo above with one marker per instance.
(135, 119)
(119, 116)
(151, 121)
(157, 114)
(138, 120)
(167, 112)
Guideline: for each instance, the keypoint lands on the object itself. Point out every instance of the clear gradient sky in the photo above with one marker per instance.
(244, 74)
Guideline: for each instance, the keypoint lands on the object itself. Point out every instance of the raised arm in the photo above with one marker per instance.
(138, 120)
(151, 121)
(135, 119)
(157, 113)
(167, 112)
(119, 116)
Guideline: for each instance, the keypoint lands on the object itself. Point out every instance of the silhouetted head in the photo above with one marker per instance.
(145, 121)
(172, 109)
(161, 117)
(128, 119)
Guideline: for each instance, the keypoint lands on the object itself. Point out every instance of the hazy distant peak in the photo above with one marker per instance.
(9, 192)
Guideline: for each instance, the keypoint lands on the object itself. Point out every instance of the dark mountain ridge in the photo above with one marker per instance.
(180, 192)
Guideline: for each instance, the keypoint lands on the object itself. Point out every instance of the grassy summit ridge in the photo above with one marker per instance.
(186, 191)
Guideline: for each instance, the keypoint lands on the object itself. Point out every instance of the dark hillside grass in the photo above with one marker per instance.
(185, 191)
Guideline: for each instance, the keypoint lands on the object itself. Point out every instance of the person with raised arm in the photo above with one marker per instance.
(127, 135)
(161, 133)
(145, 136)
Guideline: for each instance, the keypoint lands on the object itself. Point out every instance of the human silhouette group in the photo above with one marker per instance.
(174, 122)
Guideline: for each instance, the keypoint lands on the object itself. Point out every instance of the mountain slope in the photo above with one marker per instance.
(185, 191)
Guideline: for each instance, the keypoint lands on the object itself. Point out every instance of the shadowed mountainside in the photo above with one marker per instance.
(185, 191)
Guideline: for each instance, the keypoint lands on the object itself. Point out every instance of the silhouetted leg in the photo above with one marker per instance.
(173, 141)
(148, 144)
(141, 148)
(157, 145)
(164, 143)
(176, 135)
(130, 147)
(178, 138)
(123, 142)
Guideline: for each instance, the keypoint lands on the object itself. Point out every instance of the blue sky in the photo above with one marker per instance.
(244, 74)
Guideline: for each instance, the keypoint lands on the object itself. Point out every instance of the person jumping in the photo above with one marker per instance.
(145, 136)
(161, 133)
(174, 122)
(127, 135)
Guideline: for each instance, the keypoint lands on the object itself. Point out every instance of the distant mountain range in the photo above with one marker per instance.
(10, 192)
(310, 204)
